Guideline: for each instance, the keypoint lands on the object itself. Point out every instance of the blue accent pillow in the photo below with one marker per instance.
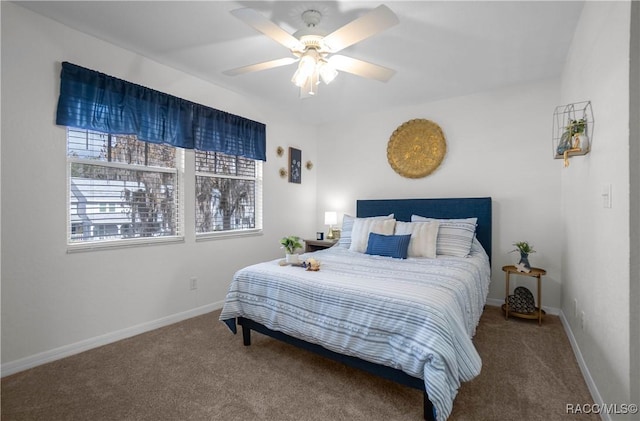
(388, 245)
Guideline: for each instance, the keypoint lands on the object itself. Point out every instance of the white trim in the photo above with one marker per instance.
(22, 364)
(498, 303)
(120, 244)
(595, 394)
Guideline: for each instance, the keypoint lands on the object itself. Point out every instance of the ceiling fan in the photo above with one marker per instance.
(315, 50)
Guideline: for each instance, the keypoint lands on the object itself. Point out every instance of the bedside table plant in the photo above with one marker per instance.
(525, 249)
(291, 244)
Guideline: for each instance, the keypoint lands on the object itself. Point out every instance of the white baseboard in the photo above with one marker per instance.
(498, 302)
(22, 364)
(593, 389)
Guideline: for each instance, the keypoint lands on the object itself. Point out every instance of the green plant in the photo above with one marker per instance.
(573, 128)
(523, 247)
(291, 243)
(576, 126)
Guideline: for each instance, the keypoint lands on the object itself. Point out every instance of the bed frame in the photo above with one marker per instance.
(479, 207)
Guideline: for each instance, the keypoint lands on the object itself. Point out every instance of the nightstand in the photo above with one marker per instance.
(535, 273)
(315, 245)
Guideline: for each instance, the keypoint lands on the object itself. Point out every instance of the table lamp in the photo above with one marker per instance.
(330, 218)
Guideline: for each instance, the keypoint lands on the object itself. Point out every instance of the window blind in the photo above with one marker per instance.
(121, 188)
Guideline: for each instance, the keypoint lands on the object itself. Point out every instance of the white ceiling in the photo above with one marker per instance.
(439, 49)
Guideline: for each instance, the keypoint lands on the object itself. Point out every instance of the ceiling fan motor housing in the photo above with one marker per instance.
(311, 36)
(311, 17)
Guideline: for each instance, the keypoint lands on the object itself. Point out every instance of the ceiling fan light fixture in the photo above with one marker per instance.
(327, 72)
(313, 83)
(306, 68)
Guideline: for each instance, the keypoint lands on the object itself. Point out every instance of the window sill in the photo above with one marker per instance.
(121, 244)
(228, 234)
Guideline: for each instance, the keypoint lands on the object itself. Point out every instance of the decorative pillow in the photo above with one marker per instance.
(388, 245)
(424, 237)
(347, 227)
(455, 236)
(363, 226)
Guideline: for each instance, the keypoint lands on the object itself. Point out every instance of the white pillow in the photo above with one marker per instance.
(347, 227)
(424, 237)
(362, 227)
(455, 236)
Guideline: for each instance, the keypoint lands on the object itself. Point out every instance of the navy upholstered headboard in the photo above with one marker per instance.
(468, 207)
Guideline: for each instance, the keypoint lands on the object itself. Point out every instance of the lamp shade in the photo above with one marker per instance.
(330, 218)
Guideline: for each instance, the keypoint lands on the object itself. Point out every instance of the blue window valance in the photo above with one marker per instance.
(95, 101)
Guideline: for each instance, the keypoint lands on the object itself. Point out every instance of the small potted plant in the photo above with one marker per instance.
(525, 249)
(291, 244)
(574, 137)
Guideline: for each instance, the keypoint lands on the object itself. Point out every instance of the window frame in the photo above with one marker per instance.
(178, 170)
(258, 194)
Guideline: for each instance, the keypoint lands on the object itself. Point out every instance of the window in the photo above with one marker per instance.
(121, 188)
(228, 195)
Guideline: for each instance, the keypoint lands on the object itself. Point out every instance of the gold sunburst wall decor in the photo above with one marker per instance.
(416, 148)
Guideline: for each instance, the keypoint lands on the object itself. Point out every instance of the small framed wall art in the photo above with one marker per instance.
(295, 165)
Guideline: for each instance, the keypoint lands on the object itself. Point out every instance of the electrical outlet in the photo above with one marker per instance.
(575, 308)
(582, 320)
(193, 283)
(606, 196)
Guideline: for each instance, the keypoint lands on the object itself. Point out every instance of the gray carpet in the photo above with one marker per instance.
(198, 370)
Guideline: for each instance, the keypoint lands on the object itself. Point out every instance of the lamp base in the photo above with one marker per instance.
(330, 234)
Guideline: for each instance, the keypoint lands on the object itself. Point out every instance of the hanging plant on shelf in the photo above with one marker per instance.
(574, 137)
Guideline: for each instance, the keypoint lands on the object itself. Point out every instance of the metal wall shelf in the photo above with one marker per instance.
(569, 121)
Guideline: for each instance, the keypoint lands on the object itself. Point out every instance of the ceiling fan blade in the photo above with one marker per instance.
(368, 25)
(260, 66)
(267, 27)
(361, 68)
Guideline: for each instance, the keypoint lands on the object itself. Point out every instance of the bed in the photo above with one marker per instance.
(408, 320)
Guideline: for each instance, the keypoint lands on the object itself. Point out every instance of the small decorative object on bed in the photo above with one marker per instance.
(572, 130)
(416, 148)
(291, 244)
(312, 264)
(524, 248)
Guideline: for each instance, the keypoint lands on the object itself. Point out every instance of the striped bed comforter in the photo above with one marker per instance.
(417, 315)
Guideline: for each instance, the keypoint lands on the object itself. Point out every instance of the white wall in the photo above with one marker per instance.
(52, 299)
(596, 259)
(498, 145)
